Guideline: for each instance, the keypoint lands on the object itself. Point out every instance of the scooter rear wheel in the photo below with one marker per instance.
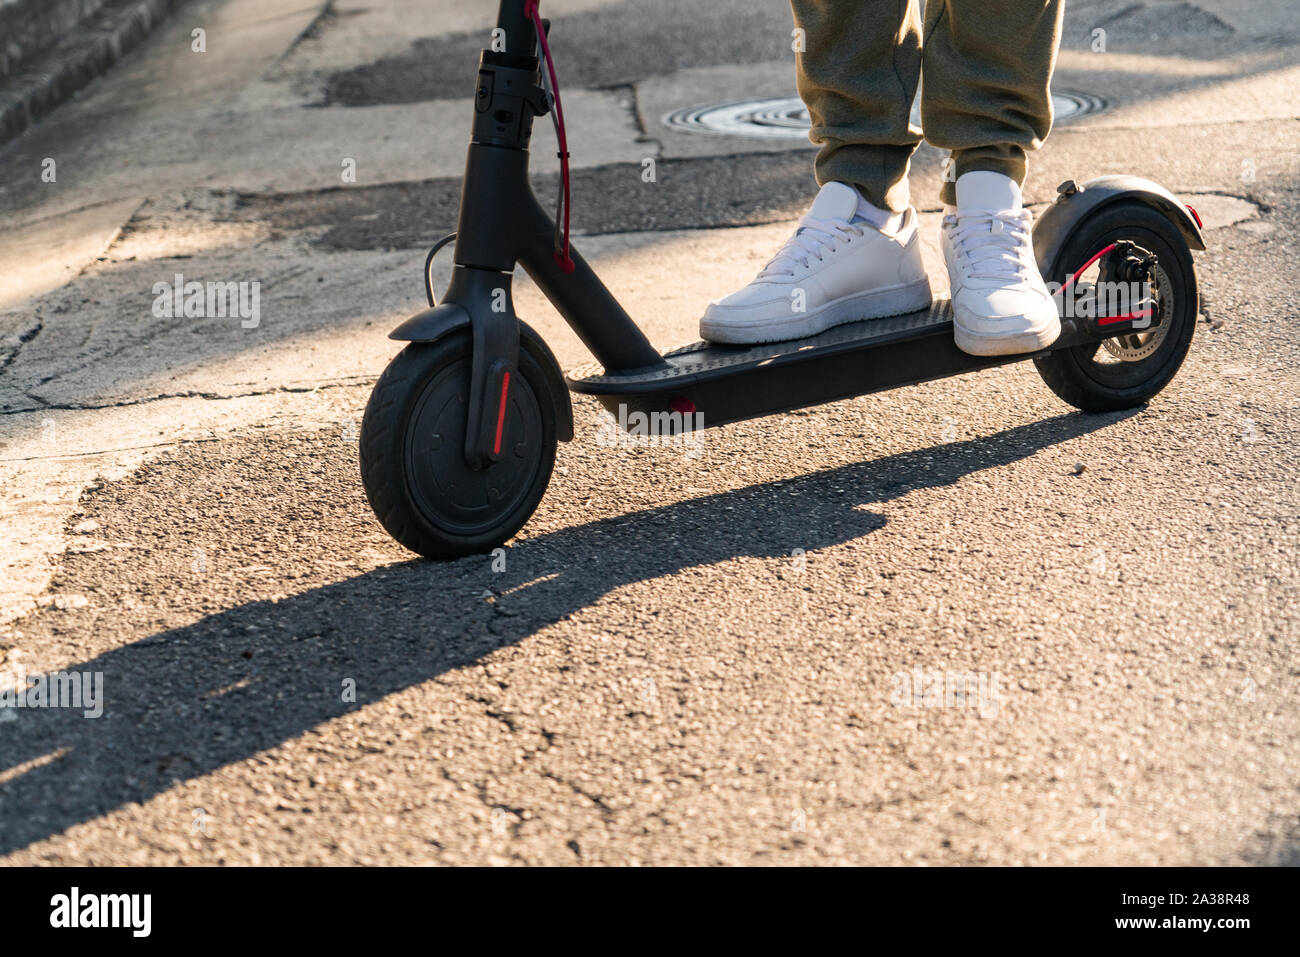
(413, 452)
(1127, 371)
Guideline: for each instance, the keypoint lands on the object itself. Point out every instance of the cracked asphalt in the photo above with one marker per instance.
(688, 656)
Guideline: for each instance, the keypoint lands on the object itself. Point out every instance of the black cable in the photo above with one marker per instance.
(428, 267)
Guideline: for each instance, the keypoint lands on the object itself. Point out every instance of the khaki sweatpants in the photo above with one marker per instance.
(987, 67)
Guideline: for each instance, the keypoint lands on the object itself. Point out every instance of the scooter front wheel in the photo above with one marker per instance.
(413, 465)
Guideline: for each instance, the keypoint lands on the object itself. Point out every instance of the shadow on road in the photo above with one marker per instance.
(185, 702)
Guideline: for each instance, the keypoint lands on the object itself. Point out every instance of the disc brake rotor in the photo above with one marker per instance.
(1136, 346)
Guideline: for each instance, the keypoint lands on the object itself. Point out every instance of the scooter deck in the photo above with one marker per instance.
(730, 383)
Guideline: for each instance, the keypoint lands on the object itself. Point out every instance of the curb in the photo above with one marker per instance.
(85, 53)
(29, 27)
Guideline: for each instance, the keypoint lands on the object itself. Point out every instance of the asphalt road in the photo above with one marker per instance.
(687, 656)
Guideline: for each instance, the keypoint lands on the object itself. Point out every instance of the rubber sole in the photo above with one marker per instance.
(877, 304)
(1019, 343)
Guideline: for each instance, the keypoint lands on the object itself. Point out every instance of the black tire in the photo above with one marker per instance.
(412, 452)
(1074, 374)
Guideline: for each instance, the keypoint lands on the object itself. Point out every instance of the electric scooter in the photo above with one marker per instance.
(459, 436)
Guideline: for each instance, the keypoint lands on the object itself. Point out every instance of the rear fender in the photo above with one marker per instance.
(1076, 203)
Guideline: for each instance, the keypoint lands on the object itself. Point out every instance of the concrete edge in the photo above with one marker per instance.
(72, 63)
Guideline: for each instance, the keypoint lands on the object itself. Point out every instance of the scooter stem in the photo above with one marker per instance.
(501, 224)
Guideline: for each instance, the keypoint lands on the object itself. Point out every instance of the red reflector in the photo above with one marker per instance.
(1196, 216)
(681, 404)
(501, 412)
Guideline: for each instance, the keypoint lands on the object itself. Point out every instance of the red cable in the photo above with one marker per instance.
(1069, 282)
(1130, 317)
(532, 11)
(1104, 320)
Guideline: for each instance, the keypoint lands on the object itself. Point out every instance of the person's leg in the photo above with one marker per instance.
(857, 74)
(849, 258)
(988, 68)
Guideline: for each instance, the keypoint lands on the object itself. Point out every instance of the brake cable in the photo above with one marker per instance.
(552, 87)
(1106, 320)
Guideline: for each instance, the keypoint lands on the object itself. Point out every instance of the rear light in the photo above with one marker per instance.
(1196, 216)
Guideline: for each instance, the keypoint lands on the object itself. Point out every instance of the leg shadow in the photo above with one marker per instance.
(185, 702)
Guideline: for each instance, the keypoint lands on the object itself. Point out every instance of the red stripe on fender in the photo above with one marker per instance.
(501, 413)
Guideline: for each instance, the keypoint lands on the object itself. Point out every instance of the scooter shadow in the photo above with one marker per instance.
(185, 702)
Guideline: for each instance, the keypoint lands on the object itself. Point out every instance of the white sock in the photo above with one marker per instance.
(885, 221)
(982, 189)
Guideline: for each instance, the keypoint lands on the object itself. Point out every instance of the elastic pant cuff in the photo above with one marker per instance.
(878, 172)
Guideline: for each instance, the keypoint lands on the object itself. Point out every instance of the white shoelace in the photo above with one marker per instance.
(997, 247)
(807, 242)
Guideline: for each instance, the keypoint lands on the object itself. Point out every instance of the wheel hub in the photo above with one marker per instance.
(447, 490)
(1136, 346)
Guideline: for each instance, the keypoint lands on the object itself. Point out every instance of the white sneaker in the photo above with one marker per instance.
(1000, 304)
(832, 271)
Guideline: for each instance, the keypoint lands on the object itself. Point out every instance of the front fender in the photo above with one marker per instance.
(444, 319)
(1074, 204)
(431, 324)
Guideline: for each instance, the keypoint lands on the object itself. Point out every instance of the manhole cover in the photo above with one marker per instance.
(785, 117)
(1067, 105)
